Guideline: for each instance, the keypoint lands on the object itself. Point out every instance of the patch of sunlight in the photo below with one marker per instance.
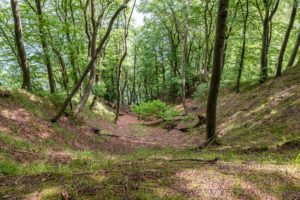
(256, 110)
(210, 184)
(297, 102)
(48, 192)
(277, 98)
(163, 192)
(287, 169)
(100, 109)
(30, 96)
(20, 115)
(99, 178)
(228, 125)
(34, 195)
(15, 142)
(4, 129)
(273, 112)
(138, 130)
(60, 155)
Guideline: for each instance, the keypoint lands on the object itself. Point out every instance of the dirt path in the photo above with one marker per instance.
(133, 134)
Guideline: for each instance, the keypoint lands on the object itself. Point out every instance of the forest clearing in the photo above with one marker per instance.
(149, 99)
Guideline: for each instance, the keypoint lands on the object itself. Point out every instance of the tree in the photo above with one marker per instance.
(184, 50)
(211, 112)
(295, 51)
(270, 7)
(125, 50)
(92, 40)
(286, 38)
(242, 59)
(42, 32)
(20, 44)
(91, 62)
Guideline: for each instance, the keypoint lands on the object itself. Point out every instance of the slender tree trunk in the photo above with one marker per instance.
(270, 8)
(20, 45)
(97, 79)
(92, 50)
(206, 52)
(133, 96)
(184, 52)
(295, 51)
(264, 50)
(119, 69)
(42, 32)
(217, 70)
(286, 38)
(243, 47)
(90, 65)
(174, 71)
(63, 68)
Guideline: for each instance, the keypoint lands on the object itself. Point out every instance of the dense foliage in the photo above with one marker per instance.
(169, 57)
(156, 109)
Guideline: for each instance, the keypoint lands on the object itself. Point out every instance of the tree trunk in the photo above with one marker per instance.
(20, 45)
(42, 33)
(90, 65)
(264, 50)
(216, 70)
(92, 50)
(133, 95)
(286, 38)
(295, 51)
(184, 52)
(243, 48)
(119, 70)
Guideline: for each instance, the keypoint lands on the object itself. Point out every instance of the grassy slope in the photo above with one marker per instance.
(48, 159)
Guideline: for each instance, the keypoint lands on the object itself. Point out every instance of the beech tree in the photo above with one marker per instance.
(267, 10)
(20, 45)
(286, 37)
(211, 113)
(91, 62)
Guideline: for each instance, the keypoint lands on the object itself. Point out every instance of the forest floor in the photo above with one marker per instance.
(258, 158)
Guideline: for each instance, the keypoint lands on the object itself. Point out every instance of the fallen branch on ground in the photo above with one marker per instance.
(212, 161)
(108, 135)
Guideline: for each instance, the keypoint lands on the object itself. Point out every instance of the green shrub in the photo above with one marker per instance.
(99, 89)
(201, 91)
(156, 109)
(169, 114)
(150, 109)
(56, 99)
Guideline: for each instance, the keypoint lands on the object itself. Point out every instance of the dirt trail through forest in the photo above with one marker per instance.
(132, 133)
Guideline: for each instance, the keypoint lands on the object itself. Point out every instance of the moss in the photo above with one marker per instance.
(8, 168)
(15, 142)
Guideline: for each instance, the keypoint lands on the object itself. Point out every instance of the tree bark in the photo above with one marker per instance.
(286, 38)
(42, 32)
(295, 51)
(92, 50)
(216, 70)
(90, 64)
(119, 69)
(270, 7)
(20, 45)
(184, 52)
(243, 46)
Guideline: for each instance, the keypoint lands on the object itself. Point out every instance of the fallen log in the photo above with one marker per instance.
(195, 124)
(154, 123)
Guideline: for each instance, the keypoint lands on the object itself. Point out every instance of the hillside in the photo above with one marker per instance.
(259, 130)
